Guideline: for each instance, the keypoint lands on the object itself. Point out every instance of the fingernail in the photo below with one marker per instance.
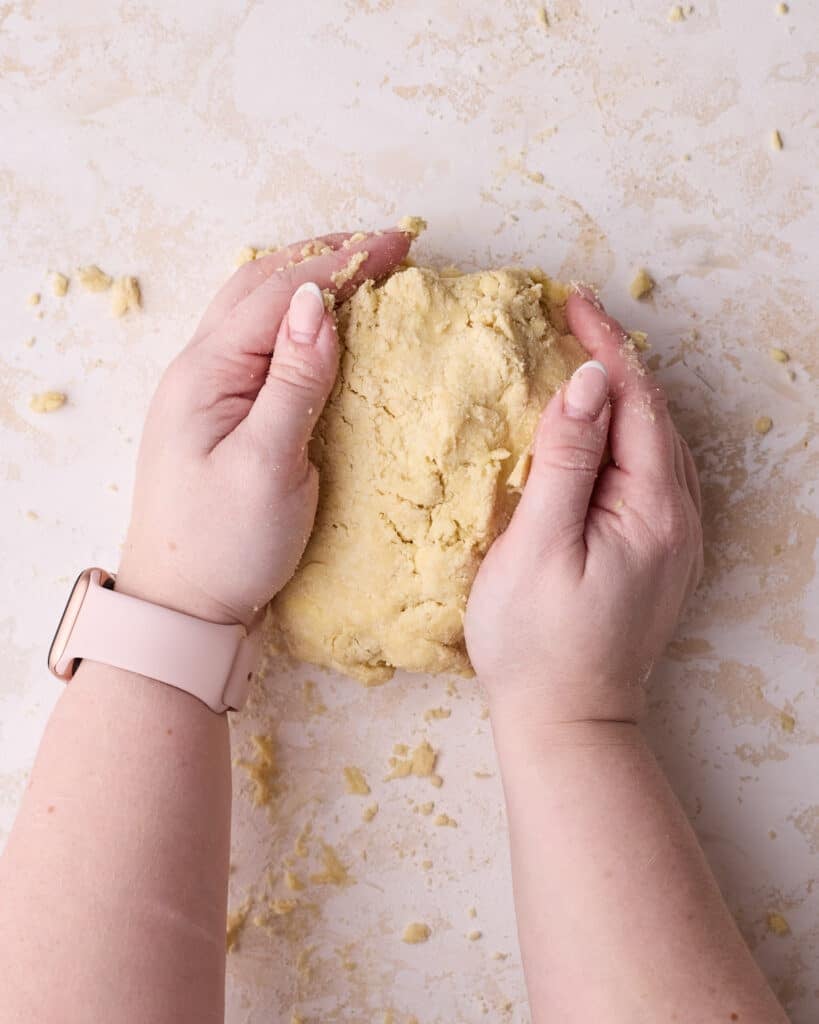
(587, 391)
(585, 291)
(305, 313)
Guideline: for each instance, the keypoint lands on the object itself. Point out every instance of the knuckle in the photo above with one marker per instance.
(674, 529)
(569, 456)
(298, 375)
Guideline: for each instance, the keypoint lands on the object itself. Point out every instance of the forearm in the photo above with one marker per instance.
(619, 916)
(114, 879)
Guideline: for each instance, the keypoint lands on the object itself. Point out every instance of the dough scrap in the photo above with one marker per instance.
(441, 383)
(47, 401)
(125, 295)
(59, 284)
(263, 772)
(355, 782)
(412, 225)
(416, 932)
(642, 285)
(93, 279)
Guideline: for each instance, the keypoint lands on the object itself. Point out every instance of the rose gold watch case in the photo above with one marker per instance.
(62, 667)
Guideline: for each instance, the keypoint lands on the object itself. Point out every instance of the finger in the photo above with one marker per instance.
(642, 434)
(301, 375)
(251, 326)
(691, 476)
(251, 274)
(569, 445)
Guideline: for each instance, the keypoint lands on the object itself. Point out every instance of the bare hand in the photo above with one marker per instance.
(580, 595)
(225, 494)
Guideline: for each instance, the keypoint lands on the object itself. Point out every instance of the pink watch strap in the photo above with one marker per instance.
(211, 661)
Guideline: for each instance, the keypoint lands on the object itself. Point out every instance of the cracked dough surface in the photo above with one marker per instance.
(420, 450)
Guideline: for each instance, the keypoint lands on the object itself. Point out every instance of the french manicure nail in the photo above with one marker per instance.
(587, 391)
(305, 313)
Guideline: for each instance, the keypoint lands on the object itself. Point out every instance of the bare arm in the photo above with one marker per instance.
(113, 884)
(114, 879)
(620, 919)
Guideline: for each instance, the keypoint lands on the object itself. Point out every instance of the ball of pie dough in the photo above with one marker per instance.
(422, 453)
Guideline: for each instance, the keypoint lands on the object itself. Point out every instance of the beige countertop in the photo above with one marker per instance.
(158, 138)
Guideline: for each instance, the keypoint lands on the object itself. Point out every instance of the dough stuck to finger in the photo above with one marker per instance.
(419, 450)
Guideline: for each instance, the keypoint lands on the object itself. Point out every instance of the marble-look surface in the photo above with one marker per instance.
(158, 138)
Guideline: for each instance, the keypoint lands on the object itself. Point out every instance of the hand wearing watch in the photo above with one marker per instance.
(211, 661)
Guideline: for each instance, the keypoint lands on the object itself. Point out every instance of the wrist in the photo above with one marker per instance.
(522, 734)
(163, 589)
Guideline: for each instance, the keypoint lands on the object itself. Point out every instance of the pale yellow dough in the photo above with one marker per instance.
(420, 449)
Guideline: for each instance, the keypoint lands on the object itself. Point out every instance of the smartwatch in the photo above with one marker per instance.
(211, 661)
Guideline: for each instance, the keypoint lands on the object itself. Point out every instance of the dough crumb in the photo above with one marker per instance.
(426, 865)
(33, 299)
(245, 255)
(787, 721)
(475, 935)
(263, 772)
(500, 956)
(125, 296)
(348, 272)
(472, 911)
(355, 781)
(30, 342)
(293, 882)
(369, 812)
(317, 248)
(426, 808)
(543, 17)
(334, 872)
(763, 424)
(412, 225)
(93, 279)
(779, 355)
(536, 176)
(776, 140)
(47, 401)
(516, 480)
(640, 340)
(235, 926)
(445, 821)
(777, 924)
(301, 847)
(415, 933)
(281, 907)
(642, 284)
(676, 13)
(358, 236)
(59, 284)
(782, 8)
(32, 515)
(420, 763)
(435, 713)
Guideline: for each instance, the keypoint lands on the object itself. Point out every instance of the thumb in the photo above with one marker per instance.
(300, 377)
(569, 444)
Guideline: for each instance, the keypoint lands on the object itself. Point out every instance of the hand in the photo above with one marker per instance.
(225, 494)
(575, 601)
